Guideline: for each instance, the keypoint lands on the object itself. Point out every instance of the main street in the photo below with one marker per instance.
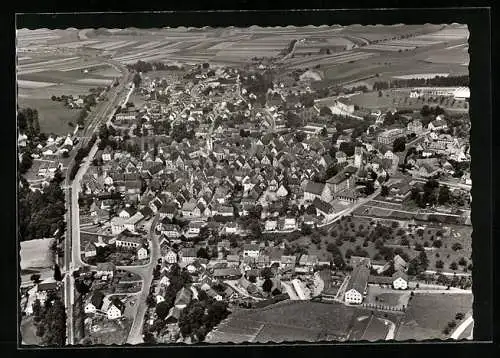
(72, 257)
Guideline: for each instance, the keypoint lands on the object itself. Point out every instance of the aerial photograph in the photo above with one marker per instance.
(225, 185)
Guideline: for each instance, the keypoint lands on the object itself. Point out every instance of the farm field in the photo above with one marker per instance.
(286, 321)
(428, 314)
(36, 254)
(53, 116)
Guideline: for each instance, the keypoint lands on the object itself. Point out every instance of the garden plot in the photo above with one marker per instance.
(388, 47)
(95, 81)
(105, 45)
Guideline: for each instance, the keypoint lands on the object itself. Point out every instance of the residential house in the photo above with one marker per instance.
(187, 255)
(317, 190)
(170, 257)
(128, 239)
(95, 302)
(115, 309)
(105, 269)
(229, 273)
(251, 250)
(183, 298)
(357, 285)
(142, 253)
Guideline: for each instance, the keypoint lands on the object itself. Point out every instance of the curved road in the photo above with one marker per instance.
(462, 327)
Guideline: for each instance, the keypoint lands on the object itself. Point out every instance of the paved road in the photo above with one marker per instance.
(462, 327)
(146, 272)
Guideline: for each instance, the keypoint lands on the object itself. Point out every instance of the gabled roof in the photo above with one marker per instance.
(314, 188)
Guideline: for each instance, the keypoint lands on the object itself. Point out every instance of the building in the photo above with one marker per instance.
(115, 309)
(356, 287)
(358, 156)
(183, 298)
(170, 257)
(399, 281)
(105, 270)
(438, 124)
(117, 225)
(95, 302)
(415, 126)
(251, 250)
(142, 253)
(229, 273)
(128, 240)
(389, 136)
(317, 190)
(187, 255)
(342, 180)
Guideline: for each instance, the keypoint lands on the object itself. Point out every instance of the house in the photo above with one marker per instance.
(117, 225)
(127, 212)
(340, 156)
(168, 210)
(105, 269)
(171, 230)
(128, 240)
(317, 190)
(155, 205)
(308, 260)
(173, 315)
(229, 273)
(213, 294)
(356, 287)
(288, 224)
(115, 309)
(251, 250)
(95, 302)
(90, 250)
(142, 253)
(132, 222)
(193, 228)
(323, 207)
(170, 257)
(399, 280)
(415, 126)
(389, 136)
(400, 264)
(187, 255)
(270, 225)
(438, 124)
(183, 298)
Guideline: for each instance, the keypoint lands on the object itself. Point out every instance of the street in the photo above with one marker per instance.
(72, 258)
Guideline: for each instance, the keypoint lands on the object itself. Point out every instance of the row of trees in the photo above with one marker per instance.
(80, 154)
(142, 66)
(438, 81)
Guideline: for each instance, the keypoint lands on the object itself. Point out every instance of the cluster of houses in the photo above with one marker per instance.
(357, 286)
(40, 292)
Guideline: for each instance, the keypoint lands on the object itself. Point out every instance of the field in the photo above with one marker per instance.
(53, 116)
(287, 321)
(36, 254)
(428, 315)
(369, 328)
(110, 332)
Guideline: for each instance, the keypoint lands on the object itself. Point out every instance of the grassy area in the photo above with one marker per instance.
(28, 332)
(53, 116)
(109, 331)
(36, 254)
(428, 315)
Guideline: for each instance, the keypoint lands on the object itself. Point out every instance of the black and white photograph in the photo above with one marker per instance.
(244, 184)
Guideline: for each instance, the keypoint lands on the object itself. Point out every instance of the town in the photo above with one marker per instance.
(213, 191)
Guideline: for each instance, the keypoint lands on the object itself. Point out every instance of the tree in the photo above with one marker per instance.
(347, 148)
(57, 273)
(462, 261)
(323, 132)
(380, 93)
(384, 191)
(456, 246)
(203, 253)
(252, 278)
(162, 309)
(453, 266)
(439, 264)
(267, 285)
(137, 79)
(444, 195)
(399, 144)
(325, 111)
(437, 243)
(266, 273)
